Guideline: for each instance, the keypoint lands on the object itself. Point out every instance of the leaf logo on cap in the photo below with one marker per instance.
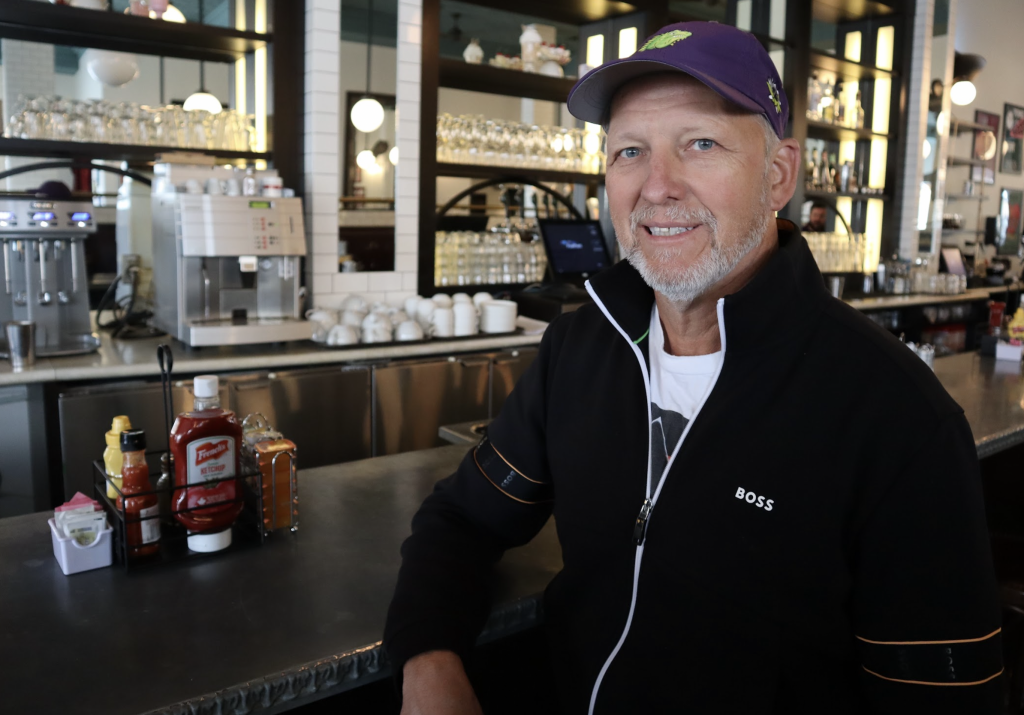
(665, 39)
(773, 94)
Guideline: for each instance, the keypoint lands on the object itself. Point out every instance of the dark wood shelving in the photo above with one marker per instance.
(834, 132)
(64, 25)
(962, 161)
(50, 149)
(817, 193)
(573, 12)
(836, 11)
(456, 74)
(962, 127)
(847, 69)
(476, 171)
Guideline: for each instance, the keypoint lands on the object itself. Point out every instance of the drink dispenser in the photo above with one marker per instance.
(45, 282)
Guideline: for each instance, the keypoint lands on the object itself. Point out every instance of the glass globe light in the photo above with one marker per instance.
(367, 114)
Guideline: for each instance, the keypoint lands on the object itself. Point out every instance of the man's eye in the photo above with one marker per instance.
(704, 144)
(630, 153)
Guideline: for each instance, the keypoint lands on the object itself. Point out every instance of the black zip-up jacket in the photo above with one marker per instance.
(818, 546)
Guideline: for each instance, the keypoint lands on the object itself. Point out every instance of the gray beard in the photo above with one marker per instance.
(683, 286)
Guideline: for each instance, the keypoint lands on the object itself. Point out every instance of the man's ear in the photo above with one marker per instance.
(784, 171)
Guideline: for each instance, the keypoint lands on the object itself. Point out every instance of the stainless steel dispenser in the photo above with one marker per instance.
(45, 282)
(226, 269)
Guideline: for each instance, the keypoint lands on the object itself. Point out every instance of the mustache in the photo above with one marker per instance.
(673, 213)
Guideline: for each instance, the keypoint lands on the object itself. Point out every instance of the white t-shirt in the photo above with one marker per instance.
(678, 384)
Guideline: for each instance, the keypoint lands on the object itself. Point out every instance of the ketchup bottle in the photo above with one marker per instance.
(205, 444)
(142, 513)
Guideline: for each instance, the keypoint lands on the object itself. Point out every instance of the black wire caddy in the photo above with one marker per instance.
(257, 518)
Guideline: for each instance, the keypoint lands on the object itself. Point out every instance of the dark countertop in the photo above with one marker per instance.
(300, 618)
(288, 623)
(991, 393)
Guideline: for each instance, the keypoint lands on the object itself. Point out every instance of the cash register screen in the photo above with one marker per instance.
(575, 248)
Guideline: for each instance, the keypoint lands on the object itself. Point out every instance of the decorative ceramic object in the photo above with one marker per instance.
(529, 47)
(552, 69)
(473, 54)
(113, 69)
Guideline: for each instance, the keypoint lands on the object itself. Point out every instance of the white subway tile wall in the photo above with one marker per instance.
(324, 104)
(27, 70)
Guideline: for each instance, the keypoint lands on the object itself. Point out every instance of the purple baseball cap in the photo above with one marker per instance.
(728, 60)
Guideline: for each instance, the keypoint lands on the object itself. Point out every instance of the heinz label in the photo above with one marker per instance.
(208, 459)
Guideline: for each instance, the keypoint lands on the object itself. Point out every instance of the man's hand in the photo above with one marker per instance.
(435, 683)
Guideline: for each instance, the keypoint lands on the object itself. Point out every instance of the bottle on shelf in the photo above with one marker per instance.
(811, 168)
(141, 513)
(205, 446)
(833, 173)
(814, 98)
(840, 106)
(823, 175)
(828, 108)
(859, 112)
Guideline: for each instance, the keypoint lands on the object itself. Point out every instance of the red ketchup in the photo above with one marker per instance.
(205, 444)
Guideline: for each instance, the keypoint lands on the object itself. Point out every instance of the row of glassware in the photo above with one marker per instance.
(467, 258)
(473, 139)
(102, 121)
(838, 252)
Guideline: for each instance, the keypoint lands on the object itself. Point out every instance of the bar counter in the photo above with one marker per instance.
(300, 618)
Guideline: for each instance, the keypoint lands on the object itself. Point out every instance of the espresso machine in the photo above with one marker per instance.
(44, 271)
(226, 267)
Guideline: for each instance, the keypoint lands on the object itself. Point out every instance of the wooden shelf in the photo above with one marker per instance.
(476, 171)
(836, 11)
(962, 127)
(834, 132)
(456, 74)
(846, 69)
(65, 25)
(817, 193)
(961, 161)
(89, 150)
(573, 12)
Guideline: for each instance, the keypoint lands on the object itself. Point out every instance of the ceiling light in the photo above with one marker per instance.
(367, 114)
(393, 156)
(171, 14)
(203, 101)
(963, 92)
(366, 161)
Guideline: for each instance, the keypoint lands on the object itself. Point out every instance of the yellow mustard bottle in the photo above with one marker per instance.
(112, 454)
(1016, 327)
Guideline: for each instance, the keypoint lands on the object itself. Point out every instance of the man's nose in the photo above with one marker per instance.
(665, 180)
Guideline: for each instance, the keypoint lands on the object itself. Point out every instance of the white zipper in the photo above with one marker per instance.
(647, 508)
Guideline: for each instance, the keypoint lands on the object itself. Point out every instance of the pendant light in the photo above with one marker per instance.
(368, 114)
(965, 69)
(203, 100)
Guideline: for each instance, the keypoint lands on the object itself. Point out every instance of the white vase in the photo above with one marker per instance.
(529, 47)
(473, 54)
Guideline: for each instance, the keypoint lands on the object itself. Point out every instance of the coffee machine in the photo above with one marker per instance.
(44, 271)
(226, 267)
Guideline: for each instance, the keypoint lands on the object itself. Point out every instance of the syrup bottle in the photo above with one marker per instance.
(141, 513)
(205, 444)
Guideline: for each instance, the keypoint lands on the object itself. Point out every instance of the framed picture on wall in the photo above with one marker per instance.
(986, 143)
(1013, 139)
(1008, 225)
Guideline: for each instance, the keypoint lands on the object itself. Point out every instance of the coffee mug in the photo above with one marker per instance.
(465, 318)
(233, 188)
(481, 297)
(353, 318)
(342, 335)
(398, 316)
(214, 187)
(425, 308)
(443, 322)
(442, 300)
(461, 298)
(410, 305)
(498, 316)
(408, 330)
(355, 302)
(324, 316)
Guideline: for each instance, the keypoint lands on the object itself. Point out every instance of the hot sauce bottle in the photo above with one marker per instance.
(205, 444)
(142, 513)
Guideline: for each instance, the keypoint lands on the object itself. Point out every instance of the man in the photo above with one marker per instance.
(765, 504)
(819, 212)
